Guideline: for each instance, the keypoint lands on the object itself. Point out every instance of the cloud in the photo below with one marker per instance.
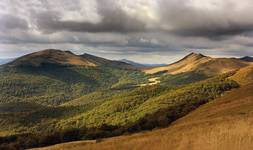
(11, 22)
(127, 27)
(113, 19)
(209, 18)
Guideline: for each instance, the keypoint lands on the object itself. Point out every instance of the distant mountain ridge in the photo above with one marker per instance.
(140, 65)
(5, 60)
(200, 63)
(247, 58)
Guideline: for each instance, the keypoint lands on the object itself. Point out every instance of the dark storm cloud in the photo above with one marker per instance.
(10, 22)
(128, 26)
(216, 32)
(114, 19)
(186, 20)
(181, 18)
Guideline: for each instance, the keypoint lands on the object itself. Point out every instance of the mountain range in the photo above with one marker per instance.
(53, 96)
(247, 58)
(141, 65)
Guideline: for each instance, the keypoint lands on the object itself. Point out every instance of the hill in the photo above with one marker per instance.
(52, 77)
(51, 56)
(244, 75)
(224, 123)
(64, 58)
(247, 58)
(199, 63)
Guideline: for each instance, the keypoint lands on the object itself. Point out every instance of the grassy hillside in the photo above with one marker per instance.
(128, 110)
(225, 123)
(54, 85)
(200, 63)
(52, 77)
(244, 76)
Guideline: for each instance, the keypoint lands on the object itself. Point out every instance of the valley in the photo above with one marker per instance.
(225, 123)
(84, 97)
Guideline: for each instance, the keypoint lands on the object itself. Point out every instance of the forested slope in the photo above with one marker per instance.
(225, 123)
(129, 110)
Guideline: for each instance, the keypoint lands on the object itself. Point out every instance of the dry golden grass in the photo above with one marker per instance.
(198, 62)
(188, 63)
(244, 76)
(223, 124)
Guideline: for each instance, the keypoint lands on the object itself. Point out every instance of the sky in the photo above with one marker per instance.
(148, 31)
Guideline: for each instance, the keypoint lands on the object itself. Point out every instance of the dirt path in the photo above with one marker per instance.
(152, 81)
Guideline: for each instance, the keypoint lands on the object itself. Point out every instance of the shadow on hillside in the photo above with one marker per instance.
(57, 72)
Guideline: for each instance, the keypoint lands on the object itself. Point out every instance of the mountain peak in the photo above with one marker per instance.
(64, 58)
(247, 58)
(195, 55)
(48, 52)
(51, 56)
(201, 63)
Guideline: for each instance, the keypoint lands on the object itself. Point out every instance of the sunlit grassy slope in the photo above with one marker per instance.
(244, 75)
(200, 63)
(225, 123)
